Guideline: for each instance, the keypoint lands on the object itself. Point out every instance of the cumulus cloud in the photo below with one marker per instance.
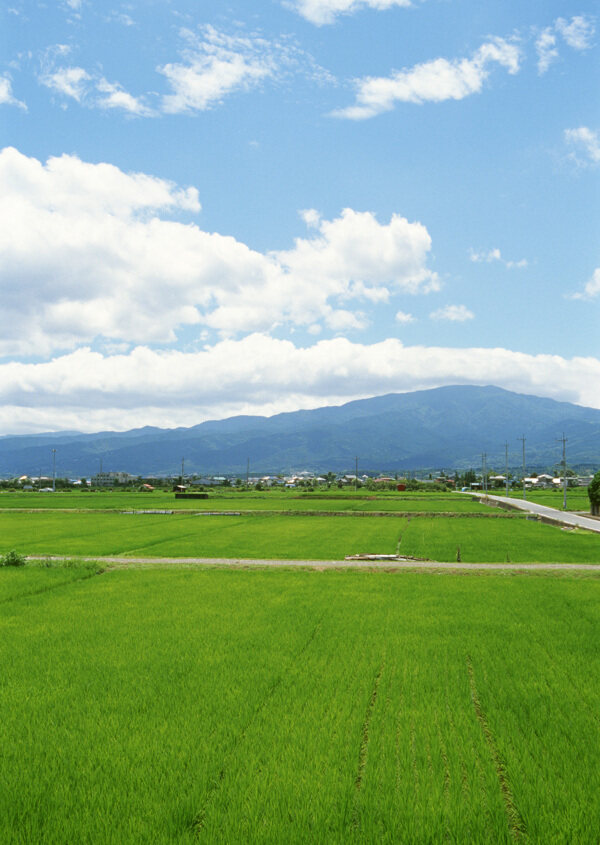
(403, 317)
(453, 313)
(6, 94)
(433, 81)
(262, 375)
(492, 255)
(322, 12)
(585, 143)
(86, 252)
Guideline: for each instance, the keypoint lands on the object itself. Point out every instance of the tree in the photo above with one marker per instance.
(594, 494)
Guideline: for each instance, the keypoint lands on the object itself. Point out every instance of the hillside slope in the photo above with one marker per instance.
(447, 427)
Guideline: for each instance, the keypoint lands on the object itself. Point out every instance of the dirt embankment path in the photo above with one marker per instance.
(400, 563)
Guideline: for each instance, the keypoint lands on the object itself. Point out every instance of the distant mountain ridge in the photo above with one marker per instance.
(443, 428)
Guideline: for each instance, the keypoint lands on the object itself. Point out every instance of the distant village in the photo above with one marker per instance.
(305, 479)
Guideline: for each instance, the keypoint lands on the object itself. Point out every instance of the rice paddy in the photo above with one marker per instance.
(228, 500)
(220, 706)
(473, 535)
(190, 705)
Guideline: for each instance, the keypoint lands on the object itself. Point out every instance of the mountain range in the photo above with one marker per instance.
(445, 428)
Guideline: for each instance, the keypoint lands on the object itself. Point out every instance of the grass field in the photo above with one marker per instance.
(221, 706)
(274, 500)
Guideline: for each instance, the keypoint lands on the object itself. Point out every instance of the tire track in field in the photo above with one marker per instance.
(402, 532)
(364, 744)
(184, 535)
(516, 823)
(198, 823)
(52, 587)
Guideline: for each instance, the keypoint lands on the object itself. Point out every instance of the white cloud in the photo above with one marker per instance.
(434, 81)
(453, 313)
(215, 64)
(585, 140)
(6, 94)
(495, 255)
(68, 81)
(311, 217)
(545, 46)
(592, 288)
(82, 86)
(322, 12)
(487, 257)
(403, 317)
(84, 253)
(261, 375)
(578, 32)
(117, 98)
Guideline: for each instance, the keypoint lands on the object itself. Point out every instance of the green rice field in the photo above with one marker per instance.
(491, 536)
(516, 540)
(262, 706)
(218, 500)
(577, 498)
(188, 535)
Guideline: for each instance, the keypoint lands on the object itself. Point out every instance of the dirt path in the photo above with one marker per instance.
(136, 562)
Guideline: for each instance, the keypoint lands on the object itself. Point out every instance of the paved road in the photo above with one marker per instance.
(124, 562)
(564, 517)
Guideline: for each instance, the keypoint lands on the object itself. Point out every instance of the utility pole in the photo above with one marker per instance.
(356, 475)
(54, 470)
(484, 471)
(563, 440)
(506, 465)
(182, 466)
(522, 439)
(248, 472)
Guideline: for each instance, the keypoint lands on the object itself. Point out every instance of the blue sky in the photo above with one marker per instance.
(229, 207)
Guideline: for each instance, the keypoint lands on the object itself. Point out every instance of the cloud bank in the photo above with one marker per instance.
(261, 375)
